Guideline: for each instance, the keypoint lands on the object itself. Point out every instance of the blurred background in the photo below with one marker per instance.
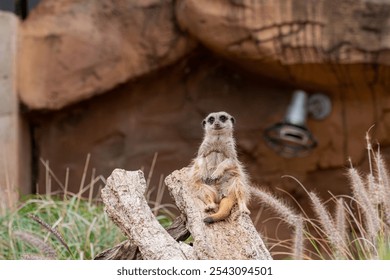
(89, 86)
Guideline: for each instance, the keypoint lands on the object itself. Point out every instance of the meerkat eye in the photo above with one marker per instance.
(211, 120)
(223, 118)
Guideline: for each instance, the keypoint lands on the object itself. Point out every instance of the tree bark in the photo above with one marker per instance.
(125, 203)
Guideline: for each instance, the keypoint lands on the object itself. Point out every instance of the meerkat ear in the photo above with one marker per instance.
(203, 123)
(233, 120)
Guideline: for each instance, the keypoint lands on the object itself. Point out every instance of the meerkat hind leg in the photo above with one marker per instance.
(209, 196)
(242, 201)
(243, 208)
(239, 189)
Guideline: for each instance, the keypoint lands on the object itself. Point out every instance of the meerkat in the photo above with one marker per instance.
(216, 173)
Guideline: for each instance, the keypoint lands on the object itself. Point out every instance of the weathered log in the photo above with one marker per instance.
(125, 203)
(128, 251)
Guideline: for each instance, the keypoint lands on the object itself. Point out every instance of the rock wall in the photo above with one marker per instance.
(84, 48)
(164, 65)
(161, 113)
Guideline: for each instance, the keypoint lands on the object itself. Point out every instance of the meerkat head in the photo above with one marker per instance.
(218, 123)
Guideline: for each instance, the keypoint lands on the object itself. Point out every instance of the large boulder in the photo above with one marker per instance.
(313, 43)
(72, 50)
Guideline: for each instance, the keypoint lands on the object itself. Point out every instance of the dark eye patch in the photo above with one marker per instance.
(223, 118)
(211, 120)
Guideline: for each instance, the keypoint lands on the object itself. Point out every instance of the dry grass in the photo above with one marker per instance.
(359, 226)
(65, 225)
(70, 226)
(45, 250)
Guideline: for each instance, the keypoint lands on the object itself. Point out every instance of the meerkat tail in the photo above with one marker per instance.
(225, 207)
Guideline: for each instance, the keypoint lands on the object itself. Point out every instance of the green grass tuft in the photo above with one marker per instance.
(85, 227)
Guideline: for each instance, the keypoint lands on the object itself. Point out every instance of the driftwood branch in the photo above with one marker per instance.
(125, 203)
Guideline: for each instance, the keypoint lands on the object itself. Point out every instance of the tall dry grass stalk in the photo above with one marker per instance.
(331, 231)
(383, 183)
(46, 251)
(288, 215)
(298, 245)
(156, 193)
(282, 209)
(365, 202)
(64, 187)
(51, 230)
(340, 220)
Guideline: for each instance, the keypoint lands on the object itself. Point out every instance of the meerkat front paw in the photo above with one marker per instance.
(207, 180)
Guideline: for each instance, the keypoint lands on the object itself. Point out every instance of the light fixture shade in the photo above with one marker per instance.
(291, 138)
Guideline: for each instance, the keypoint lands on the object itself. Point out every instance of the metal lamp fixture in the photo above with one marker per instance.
(291, 138)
